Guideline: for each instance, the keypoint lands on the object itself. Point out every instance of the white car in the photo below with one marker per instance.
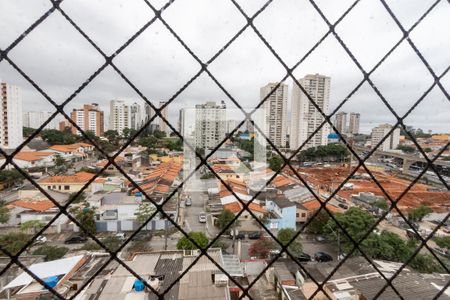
(41, 239)
(202, 218)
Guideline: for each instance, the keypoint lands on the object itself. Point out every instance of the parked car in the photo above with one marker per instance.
(254, 235)
(322, 257)
(121, 236)
(75, 240)
(202, 218)
(188, 202)
(239, 235)
(41, 239)
(303, 257)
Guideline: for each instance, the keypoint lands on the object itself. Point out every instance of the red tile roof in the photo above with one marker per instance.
(32, 156)
(80, 177)
(236, 207)
(36, 205)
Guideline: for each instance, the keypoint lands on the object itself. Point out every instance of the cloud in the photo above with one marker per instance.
(59, 59)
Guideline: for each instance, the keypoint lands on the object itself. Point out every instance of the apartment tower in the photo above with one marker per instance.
(90, 117)
(305, 118)
(390, 143)
(353, 126)
(11, 135)
(119, 116)
(210, 124)
(276, 112)
(341, 122)
(34, 119)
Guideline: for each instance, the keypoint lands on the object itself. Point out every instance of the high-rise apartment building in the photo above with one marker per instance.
(34, 119)
(391, 142)
(119, 116)
(181, 117)
(11, 131)
(90, 117)
(210, 124)
(136, 116)
(353, 126)
(158, 123)
(305, 118)
(341, 122)
(276, 112)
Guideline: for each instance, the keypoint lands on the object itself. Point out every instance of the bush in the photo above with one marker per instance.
(51, 252)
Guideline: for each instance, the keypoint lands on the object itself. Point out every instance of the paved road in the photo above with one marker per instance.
(192, 212)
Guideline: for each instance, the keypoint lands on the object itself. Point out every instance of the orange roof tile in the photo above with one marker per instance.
(236, 207)
(162, 188)
(313, 205)
(36, 205)
(32, 156)
(80, 177)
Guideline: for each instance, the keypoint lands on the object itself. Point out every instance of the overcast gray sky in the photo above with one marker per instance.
(59, 59)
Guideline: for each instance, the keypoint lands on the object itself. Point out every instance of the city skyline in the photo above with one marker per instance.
(156, 78)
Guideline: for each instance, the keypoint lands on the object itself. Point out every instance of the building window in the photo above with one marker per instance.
(66, 187)
(297, 215)
(303, 215)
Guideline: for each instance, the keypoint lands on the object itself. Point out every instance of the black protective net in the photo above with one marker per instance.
(286, 165)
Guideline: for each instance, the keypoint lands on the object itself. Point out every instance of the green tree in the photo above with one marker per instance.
(427, 150)
(261, 248)
(443, 242)
(60, 161)
(275, 163)
(199, 237)
(13, 242)
(406, 148)
(56, 137)
(159, 134)
(285, 235)
(112, 136)
(4, 213)
(175, 144)
(51, 252)
(31, 224)
(77, 198)
(417, 214)
(382, 204)
(330, 152)
(225, 217)
(128, 132)
(355, 221)
(318, 223)
(387, 246)
(10, 177)
(144, 212)
(425, 263)
(86, 216)
(27, 131)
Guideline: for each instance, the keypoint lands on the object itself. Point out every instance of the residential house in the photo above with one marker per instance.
(72, 152)
(283, 213)
(256, 209)
(67, 183)
(31, 159)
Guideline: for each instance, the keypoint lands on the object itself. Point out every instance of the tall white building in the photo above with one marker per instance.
(353, 126)
(391, 142)
(34, 119)
(11, 131)
(305, 118)
(210, 124)
(276, 112)
(119, 116)
(341, 122)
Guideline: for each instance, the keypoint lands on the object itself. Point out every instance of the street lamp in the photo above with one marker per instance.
(338, 235)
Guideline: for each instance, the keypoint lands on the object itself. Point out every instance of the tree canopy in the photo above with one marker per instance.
(4, 213)
(51, 252)
(56, 137)
(417, 214)
(144, 212)
(86, 216)
(199, 237)
(285, 235)
(275, 163)
(261, 248)
(323, 153)
(13, 242)
(225, 217)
